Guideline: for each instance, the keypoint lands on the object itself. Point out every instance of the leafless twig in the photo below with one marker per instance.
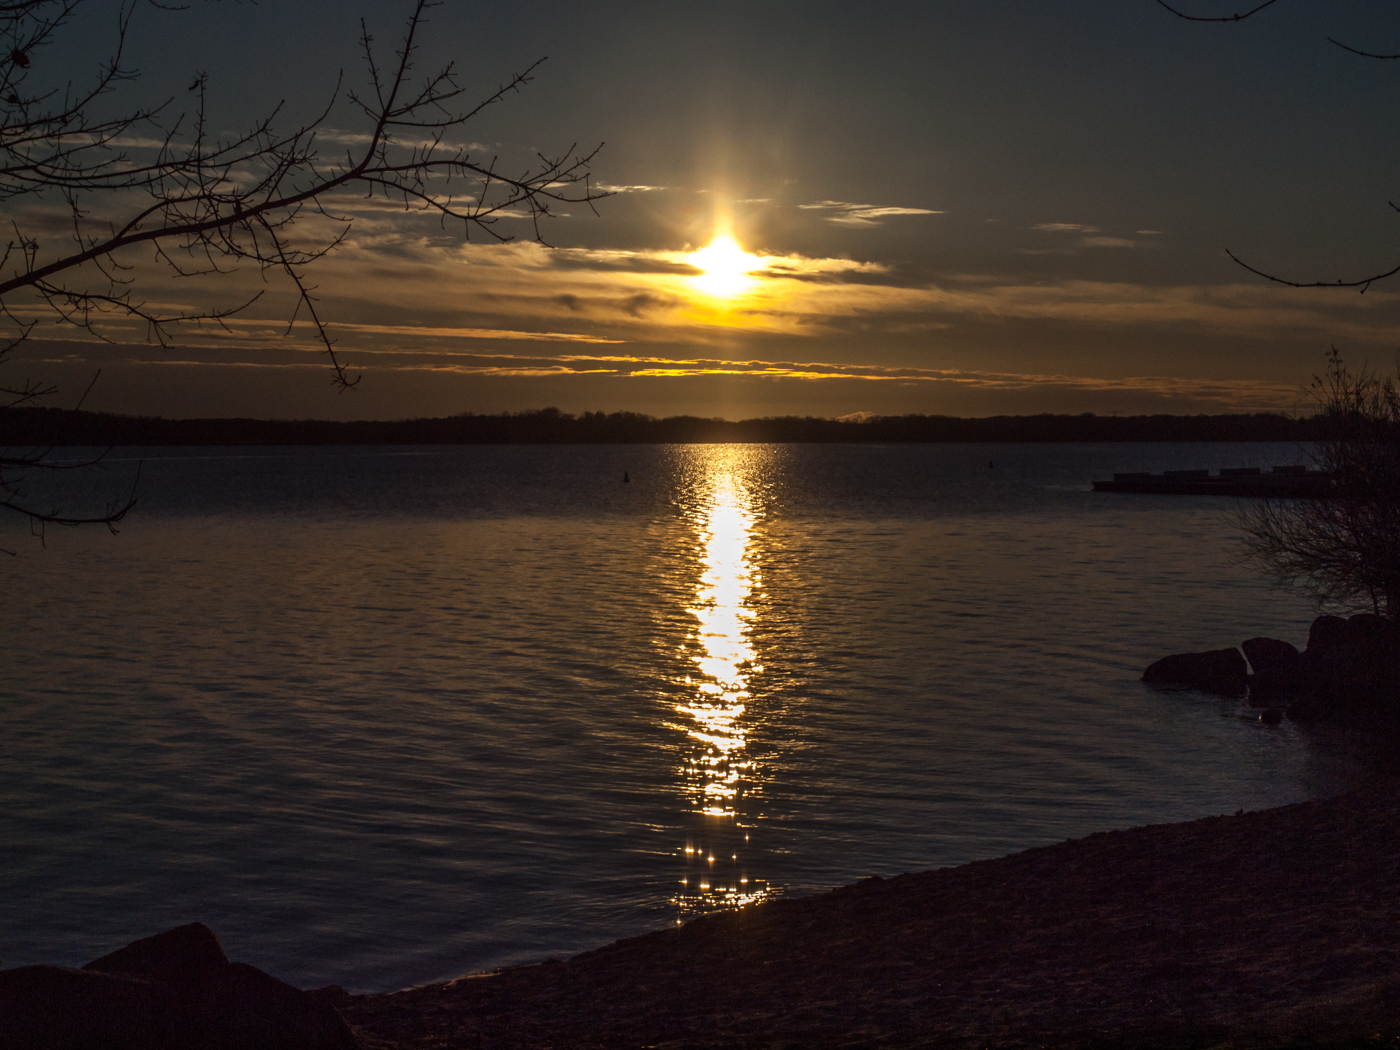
(205, 204)
(1215, 18)
(1362, 283)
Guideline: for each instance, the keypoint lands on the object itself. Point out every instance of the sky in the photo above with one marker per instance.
(949, 208)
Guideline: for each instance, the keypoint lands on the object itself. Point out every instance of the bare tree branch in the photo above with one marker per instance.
(204, 204)
(1354, 51)
(1362, 283)
(1215, 18)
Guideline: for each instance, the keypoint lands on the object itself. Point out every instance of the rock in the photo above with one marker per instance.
(174, 991)
(1272, 689)
(1270, 656)
(1372, 630)
(186, 955)
(1311, 708)
(55, 1008)
(1327, 631)
(1221, 671)
(1350, 673)
(1275, 666)
(258, 1010)
(331, 994)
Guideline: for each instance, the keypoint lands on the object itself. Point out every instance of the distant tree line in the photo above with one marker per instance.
(31, 426)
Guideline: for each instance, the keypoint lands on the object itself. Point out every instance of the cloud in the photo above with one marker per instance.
(608, 187)
(261, 329)
(430, 295)
(364, 138)
(360, 203)
(621, 262)
(1233, 394)
(129, 141)
(636, 305)
(846, 214)
(334, 136)
(1093, 238)
(466, 333)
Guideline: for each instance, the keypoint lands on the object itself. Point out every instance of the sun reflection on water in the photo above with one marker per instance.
(718, 771)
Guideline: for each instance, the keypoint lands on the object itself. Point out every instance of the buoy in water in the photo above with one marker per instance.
(625, 477)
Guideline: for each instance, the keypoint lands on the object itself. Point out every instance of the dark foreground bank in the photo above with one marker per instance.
(1267, 929)
(1273, 928)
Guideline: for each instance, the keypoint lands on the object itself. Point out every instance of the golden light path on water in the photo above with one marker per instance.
(716, 712)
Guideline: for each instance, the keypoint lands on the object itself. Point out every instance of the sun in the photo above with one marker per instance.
(726, 268)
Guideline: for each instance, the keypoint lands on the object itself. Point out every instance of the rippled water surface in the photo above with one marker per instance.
(383, 716)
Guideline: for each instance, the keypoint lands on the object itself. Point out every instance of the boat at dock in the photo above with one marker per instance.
(1283, 482)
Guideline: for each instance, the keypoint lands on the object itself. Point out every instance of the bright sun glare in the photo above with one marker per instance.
(726, 267)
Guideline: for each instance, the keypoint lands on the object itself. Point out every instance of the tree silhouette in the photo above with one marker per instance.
(157, 179)
(1343, 548)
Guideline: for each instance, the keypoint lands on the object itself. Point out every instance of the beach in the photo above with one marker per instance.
(1269, 928)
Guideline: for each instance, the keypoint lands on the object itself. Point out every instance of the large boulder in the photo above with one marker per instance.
(1375, 632)
(188, 955)
(1270, 656)
(1275, 667)
(55, 1008)
(1327, 631)
(1350, 673)
(1222, 672)
(174, 991)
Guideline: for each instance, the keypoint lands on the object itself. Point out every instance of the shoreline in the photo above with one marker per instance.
(52, 427)
(1269, 928)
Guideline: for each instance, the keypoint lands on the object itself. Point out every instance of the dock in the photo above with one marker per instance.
(1285, 482)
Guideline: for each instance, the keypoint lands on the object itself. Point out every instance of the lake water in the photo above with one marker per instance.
(381, 716)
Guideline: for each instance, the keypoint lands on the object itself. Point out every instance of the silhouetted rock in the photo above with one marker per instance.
(1269, 655)
(55, 1008)
(1309, 708)
(1350, 673)
(1327, 631)
(1271, 690)
(331, 995)
(174, 991)
(1275, 666)
(1372, 630)
(1221, 671)
(258, 1010)
(186, 955)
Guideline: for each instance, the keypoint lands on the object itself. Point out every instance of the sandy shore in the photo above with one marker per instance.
(1272, 928)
